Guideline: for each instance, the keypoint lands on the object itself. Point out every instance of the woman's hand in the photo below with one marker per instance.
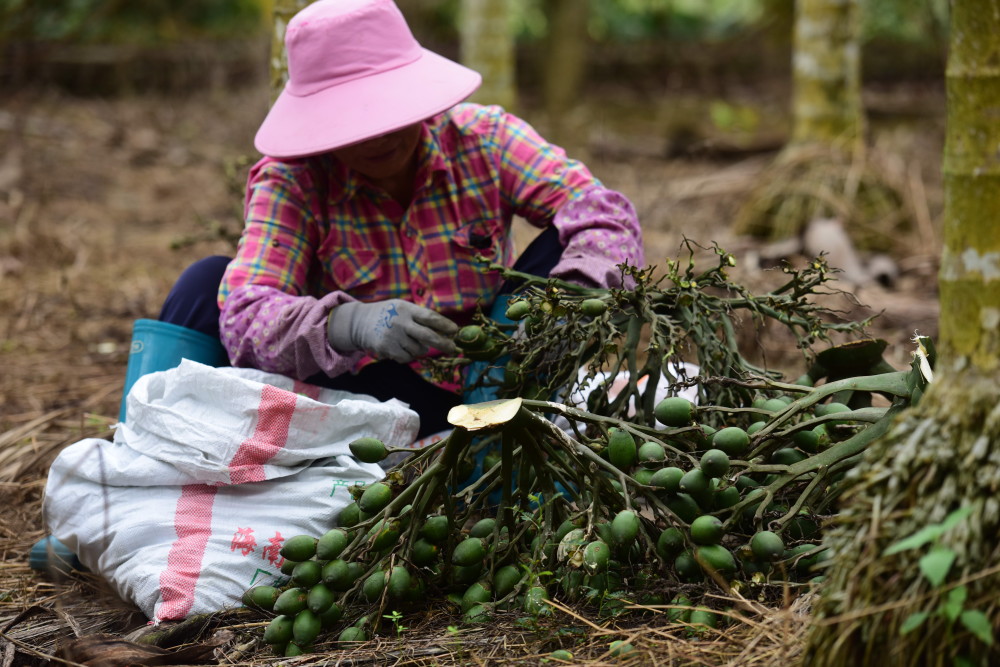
(393, 329)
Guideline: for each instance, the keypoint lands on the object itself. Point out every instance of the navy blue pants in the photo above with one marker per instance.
(192, 303)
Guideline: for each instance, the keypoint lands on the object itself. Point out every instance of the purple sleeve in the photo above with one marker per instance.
(599, 230)
(265, 328)
(598, 227)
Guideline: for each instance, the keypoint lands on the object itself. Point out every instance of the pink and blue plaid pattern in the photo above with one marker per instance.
(479, 167)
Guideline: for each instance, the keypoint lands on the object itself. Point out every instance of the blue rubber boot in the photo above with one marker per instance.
(160, 346)
(50, 555)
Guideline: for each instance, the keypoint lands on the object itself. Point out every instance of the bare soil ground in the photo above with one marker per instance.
(94, 192)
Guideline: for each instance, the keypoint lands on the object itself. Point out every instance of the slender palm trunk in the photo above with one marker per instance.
(970, 263)
(826, 98)
(565, 65)
(825, 169)
(487, 46)
(282, 13)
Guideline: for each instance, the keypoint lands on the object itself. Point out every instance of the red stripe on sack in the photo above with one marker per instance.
(306, 389)
(274, 416)
(193, 525)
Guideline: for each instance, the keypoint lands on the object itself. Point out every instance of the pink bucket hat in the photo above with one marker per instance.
(355, 72)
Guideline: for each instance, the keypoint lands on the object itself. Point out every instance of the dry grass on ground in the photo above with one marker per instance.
(93, 192)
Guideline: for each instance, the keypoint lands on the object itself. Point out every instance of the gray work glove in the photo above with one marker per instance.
(393, 329)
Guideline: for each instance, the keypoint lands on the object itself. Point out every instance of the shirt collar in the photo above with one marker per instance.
(345, 182)
(433, 158)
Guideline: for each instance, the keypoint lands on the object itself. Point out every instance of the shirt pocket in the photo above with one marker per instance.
(473, 241)
(356, 272)
(482, 237)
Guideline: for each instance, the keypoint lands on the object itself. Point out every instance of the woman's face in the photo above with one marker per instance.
(384, 156)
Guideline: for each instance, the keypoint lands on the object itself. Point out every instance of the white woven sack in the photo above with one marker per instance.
(189, 505)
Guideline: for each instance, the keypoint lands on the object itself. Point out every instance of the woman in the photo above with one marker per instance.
(379, 193)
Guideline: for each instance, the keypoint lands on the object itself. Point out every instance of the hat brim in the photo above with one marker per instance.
(351, 112)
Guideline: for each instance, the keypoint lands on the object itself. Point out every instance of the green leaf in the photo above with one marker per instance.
(978, 624)
(956, 517)
(913, 621)
(936, 564)
(923, 536)
(929, 533)
(952, 606)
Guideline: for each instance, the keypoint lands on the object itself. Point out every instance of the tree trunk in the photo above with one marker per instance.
(826, 79)
(283, 11)
(970, 263)
(487, 46)
(943, 455)
(779, 27)
(826, 169)
(565, 64)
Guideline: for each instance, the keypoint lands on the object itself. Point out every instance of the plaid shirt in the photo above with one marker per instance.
(317, 235)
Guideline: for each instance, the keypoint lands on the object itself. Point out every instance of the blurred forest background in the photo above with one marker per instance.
(627, 38)
(627, 52)
(126, 130)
